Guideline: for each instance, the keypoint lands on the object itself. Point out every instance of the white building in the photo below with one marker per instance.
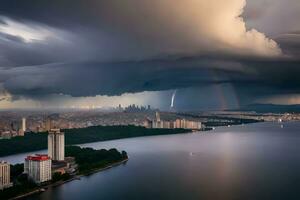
(4, 175)
(178, 123)
(38, 168)
(157, 115)
(193, 125)
(24, 124)
(56, 145)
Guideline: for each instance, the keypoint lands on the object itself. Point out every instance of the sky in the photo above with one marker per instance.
(198, 54)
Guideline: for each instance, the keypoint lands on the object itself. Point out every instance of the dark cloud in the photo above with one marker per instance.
(87, 48)
(90, 79)
(134, 29)
(290, 43)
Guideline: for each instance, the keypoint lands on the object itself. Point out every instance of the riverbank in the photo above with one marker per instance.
(38, 141)
(240, 162)
(87, 161)
(76, 177)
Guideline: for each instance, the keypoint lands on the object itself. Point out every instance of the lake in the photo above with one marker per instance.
(255, 161)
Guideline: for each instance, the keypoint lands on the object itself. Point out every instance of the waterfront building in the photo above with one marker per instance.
(182, 123)
(188, 124)
(67, 166)
(193, 125)
(166, 124)
(178, 123)
(157, 124)
(4, 175)
(38, 168)
(56, 145)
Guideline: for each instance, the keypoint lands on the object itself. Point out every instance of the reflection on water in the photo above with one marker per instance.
(257, 161)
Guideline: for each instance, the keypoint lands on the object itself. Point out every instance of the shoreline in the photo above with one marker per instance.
(137, 130)
(76, 177)
(190, 131)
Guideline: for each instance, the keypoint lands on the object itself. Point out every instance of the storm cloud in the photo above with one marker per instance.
(89, 48)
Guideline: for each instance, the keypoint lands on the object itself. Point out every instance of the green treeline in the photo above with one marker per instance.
(38, 141)
(89, 159)
(21, 183)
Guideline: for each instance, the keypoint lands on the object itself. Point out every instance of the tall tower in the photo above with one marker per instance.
(38, 168)
(23, 124)
(157, 116)
(56, 145)
(4, 175)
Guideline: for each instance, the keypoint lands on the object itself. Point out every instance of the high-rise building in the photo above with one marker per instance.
(56, 145)
(23, 124)
(4, 175)
(183, 123)
(178, 123)
(38, 168)
(165, 124)
(157, 116)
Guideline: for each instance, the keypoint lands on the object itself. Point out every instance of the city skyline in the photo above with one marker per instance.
(149, 99)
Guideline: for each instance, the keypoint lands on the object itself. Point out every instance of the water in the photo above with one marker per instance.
(257, 161)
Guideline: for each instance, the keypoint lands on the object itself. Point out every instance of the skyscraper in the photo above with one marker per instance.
(4, 175)
(157, 116)
(56, 145)
(38, 168)
(23, 124)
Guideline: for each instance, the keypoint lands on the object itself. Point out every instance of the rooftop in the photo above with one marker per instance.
(3, 162)
(38, 157)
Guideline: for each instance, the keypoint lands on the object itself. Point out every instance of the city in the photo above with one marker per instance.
(149, 99)
(41, 171)
(42, 168)
(39, 167)
(16, 123)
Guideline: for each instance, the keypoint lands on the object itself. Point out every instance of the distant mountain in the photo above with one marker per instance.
(265, 108)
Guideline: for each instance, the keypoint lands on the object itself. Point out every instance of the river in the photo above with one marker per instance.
(255, 161)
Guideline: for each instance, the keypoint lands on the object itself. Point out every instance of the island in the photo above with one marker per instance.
(38, 141)
(88, 161)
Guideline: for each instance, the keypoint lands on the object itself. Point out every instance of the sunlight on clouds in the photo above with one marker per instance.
(195, 26)
(27, 31)
(100, 101)
(7, 102)
(288, 99)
